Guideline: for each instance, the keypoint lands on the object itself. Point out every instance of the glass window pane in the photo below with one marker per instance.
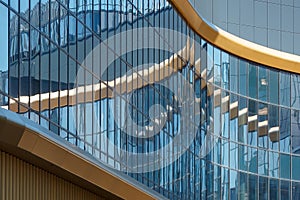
(217, 182)
(217, 66)
(284, 86)
(233, 117)
(295, 168)
(263, 162)
(252, 122)
(263, 82)
(225, 70)
(243, 157)
(243, 120)
(224, 183)
(24, 6)
(285, 189)
(35, 61)
(225, 153)
(233, 74)
(243, 185)
(263, 188)
(252, 159)
(203, 59)
(233, 155)
(252, 81)
(3, 54)
(13, 56)
(285, 163)
(285, 129)
(210, 58)
(295, 91)
(273, 90)
(295, 133)
(253, 187)
(225, 107)
(295, 191)
(233, 185)
(34, 14)
(243, 70)
(273, 122)
(263, 138)
(24, 59)
(274, 164)
(45, 17)
(217, 112)
(14, 4)
(274, 189)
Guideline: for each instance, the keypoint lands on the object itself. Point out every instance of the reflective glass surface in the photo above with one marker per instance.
(250, 111)
(272, 23)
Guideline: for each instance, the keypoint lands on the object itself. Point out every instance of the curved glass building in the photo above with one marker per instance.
(272, 23)
(147, 99)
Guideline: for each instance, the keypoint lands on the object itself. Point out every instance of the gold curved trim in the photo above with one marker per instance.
(236, 45)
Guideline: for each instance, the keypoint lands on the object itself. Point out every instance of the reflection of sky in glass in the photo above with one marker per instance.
(24, 6)
(3, 38)
(85, 124)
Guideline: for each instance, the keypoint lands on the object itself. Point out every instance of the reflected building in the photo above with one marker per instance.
(3, 86)
(72, 118)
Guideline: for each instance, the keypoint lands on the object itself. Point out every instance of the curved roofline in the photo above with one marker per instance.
(236, 45)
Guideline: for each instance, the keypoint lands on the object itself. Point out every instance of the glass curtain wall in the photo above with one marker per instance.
(251, 110)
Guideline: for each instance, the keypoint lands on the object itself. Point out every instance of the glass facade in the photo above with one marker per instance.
(272, 23)
(252, 111)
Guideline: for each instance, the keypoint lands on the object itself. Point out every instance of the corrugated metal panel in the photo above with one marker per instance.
(21, 180)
